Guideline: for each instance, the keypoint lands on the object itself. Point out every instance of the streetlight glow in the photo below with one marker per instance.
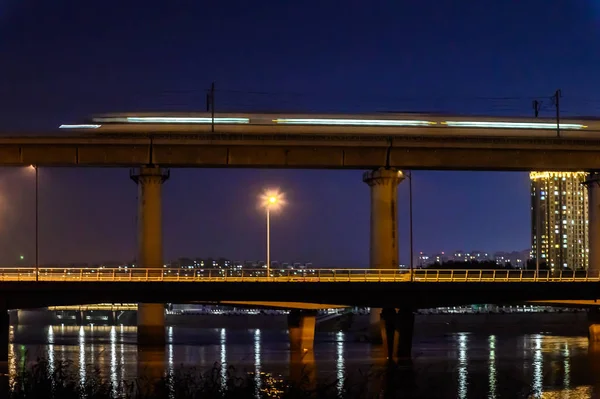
(272, 199)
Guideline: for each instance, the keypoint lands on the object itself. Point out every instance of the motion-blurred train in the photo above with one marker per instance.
(384, 124)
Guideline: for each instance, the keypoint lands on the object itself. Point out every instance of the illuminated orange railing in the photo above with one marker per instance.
(59, 274)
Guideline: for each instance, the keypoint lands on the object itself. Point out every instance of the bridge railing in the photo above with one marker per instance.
(290, 275)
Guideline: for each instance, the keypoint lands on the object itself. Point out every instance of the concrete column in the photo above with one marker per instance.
(405, 328)
(397, 332)
(383, 250)
(79, 317)
(384, 217)
(389, 332)
(150, 316)
(594, 326)
(301, 326)
(593, 186)
(303, 370)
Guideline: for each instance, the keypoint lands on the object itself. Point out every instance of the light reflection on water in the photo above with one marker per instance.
(340, 361)
(462, 365)
(481, 365)
(492, 367)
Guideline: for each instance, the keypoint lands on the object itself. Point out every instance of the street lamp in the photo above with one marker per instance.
(35, 168)
(410, 217)
(271, 200)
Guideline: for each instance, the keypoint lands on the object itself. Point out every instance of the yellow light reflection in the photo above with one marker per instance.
(51, 359)
(114, 379)
(538, 366)
(567, 366)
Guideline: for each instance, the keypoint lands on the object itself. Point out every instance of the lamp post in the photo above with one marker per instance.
(35, 168)
(271, 200)
(410, 218)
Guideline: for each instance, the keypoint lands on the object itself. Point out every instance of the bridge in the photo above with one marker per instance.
(381, 144)
(387, 289)
(332, 141)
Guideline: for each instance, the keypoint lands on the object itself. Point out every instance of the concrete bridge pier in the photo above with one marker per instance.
(301, 326)
(150, 316)
(303, 369)
(397, 332)
(113, 318)
(384, 230)
(80, 317)
(594, 326)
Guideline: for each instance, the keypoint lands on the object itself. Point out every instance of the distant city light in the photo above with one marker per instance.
(514, 125)
(354, 122)
(21, 257)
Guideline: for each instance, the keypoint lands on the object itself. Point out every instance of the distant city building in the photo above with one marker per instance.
(460, 256)
(423, 260)
(479, 256)
(559, 216)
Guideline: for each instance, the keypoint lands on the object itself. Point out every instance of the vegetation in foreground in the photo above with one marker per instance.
(63, 381)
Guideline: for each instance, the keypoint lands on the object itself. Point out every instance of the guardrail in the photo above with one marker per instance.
(100, 306)
(289, 275)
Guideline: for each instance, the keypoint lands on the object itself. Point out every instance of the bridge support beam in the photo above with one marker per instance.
(397, 332)
(593, 186)
(150, 316)
(383, 251)
(301, 326)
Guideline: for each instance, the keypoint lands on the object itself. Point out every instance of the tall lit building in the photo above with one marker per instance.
(559, 219)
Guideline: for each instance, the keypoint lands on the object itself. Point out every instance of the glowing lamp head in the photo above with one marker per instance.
(272, 199)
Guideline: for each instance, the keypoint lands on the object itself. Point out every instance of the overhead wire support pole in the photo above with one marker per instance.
(556, 99)
(536, 107)
(410, 206)
(210, 105)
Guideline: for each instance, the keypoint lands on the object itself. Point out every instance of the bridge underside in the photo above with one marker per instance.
(307, 151)
(22, 295)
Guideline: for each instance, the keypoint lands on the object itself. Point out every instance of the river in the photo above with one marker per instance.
(457, 365)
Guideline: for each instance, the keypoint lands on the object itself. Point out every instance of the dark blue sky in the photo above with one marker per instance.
(62, 61)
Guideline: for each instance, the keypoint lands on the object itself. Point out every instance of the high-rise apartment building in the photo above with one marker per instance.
(559, 217)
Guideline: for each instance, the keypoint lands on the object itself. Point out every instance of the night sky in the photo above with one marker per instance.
(62, 61)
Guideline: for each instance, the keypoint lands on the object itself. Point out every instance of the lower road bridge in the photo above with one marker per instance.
(398, 293)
